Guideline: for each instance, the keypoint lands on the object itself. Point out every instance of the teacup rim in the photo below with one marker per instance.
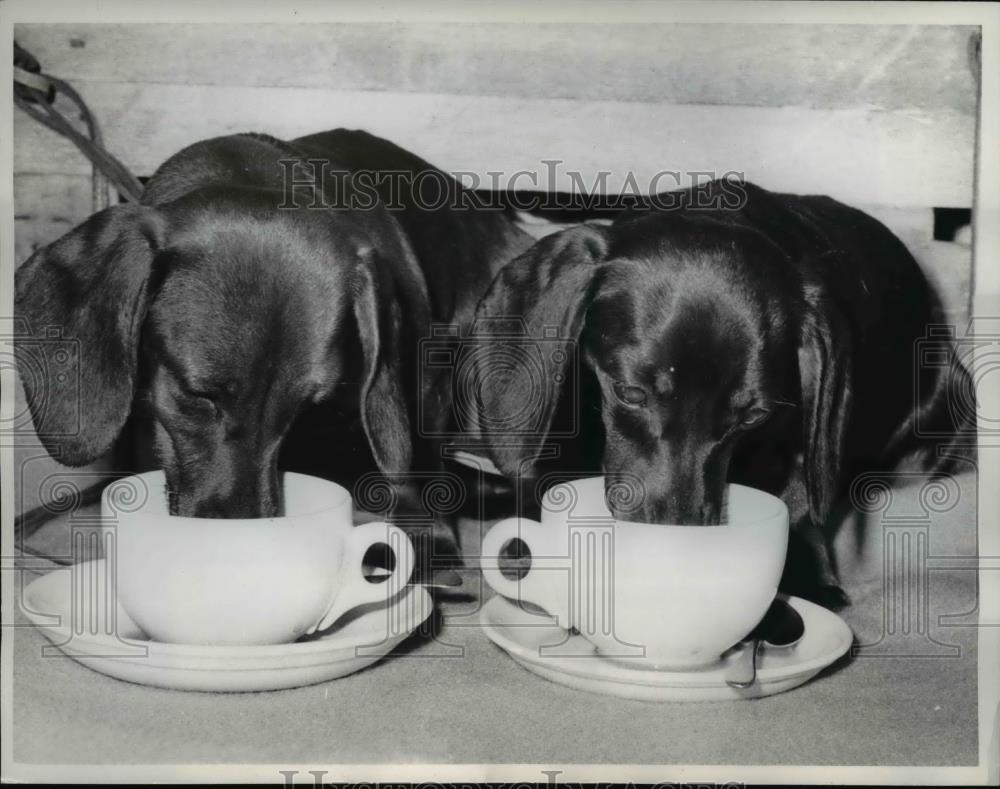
(157, 478)
(777, 513)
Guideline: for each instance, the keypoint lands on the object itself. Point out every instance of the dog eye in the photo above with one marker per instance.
(755, 416)
(630, 395)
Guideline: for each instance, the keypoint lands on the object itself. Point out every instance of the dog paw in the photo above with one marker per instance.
(832, 597)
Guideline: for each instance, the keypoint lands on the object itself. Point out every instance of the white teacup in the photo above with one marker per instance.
(660, 597)
(244, 580)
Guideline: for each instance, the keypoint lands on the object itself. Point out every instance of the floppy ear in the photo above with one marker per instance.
(827, 397)
(384, 409)
(83, 300)
(537, 303)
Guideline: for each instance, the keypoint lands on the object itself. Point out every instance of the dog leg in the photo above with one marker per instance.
(809, 568)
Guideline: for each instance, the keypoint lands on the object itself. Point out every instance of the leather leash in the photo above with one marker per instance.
(36, 94)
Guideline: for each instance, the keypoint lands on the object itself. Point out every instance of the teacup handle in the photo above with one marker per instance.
(525, 589)
(357, 590)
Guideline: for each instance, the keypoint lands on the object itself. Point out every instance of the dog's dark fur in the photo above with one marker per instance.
(252, 337)
(735, 334)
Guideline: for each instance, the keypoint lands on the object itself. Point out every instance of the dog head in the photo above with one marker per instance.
(698, 338)
(224, 318)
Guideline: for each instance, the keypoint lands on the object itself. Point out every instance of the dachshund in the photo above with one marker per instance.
(251, 320)
(721, 333)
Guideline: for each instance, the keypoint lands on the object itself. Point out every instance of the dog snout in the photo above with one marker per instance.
(221, 507)
(711, 513)
(257, 495)
(677, 507)
(678, 499)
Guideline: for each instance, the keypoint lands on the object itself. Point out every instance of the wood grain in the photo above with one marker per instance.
(904, 157)
(819, 66)
(46, 207)
(949, 268)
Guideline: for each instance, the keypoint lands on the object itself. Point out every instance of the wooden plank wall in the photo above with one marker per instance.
(878, 115)
(882, 117)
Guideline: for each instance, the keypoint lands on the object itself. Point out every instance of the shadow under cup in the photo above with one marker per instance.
(657, 596)
(244, 581)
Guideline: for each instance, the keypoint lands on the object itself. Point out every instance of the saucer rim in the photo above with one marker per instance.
(621, 673)
(319, 646)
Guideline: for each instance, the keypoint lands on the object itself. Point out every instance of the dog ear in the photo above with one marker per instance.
(827, 397)
(83, 300)
(527, 324)
(384, 409)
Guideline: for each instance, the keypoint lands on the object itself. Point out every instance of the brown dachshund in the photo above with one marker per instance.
(260, 322)
(723, 333)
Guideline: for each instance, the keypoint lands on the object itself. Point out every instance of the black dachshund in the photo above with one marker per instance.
(263, 307)
(723, 333)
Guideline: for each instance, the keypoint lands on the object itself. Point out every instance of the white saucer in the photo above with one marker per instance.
(536, 642)
(120, 649)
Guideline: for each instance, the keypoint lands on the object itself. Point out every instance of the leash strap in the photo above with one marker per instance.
(35, 93)
(32, 80)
